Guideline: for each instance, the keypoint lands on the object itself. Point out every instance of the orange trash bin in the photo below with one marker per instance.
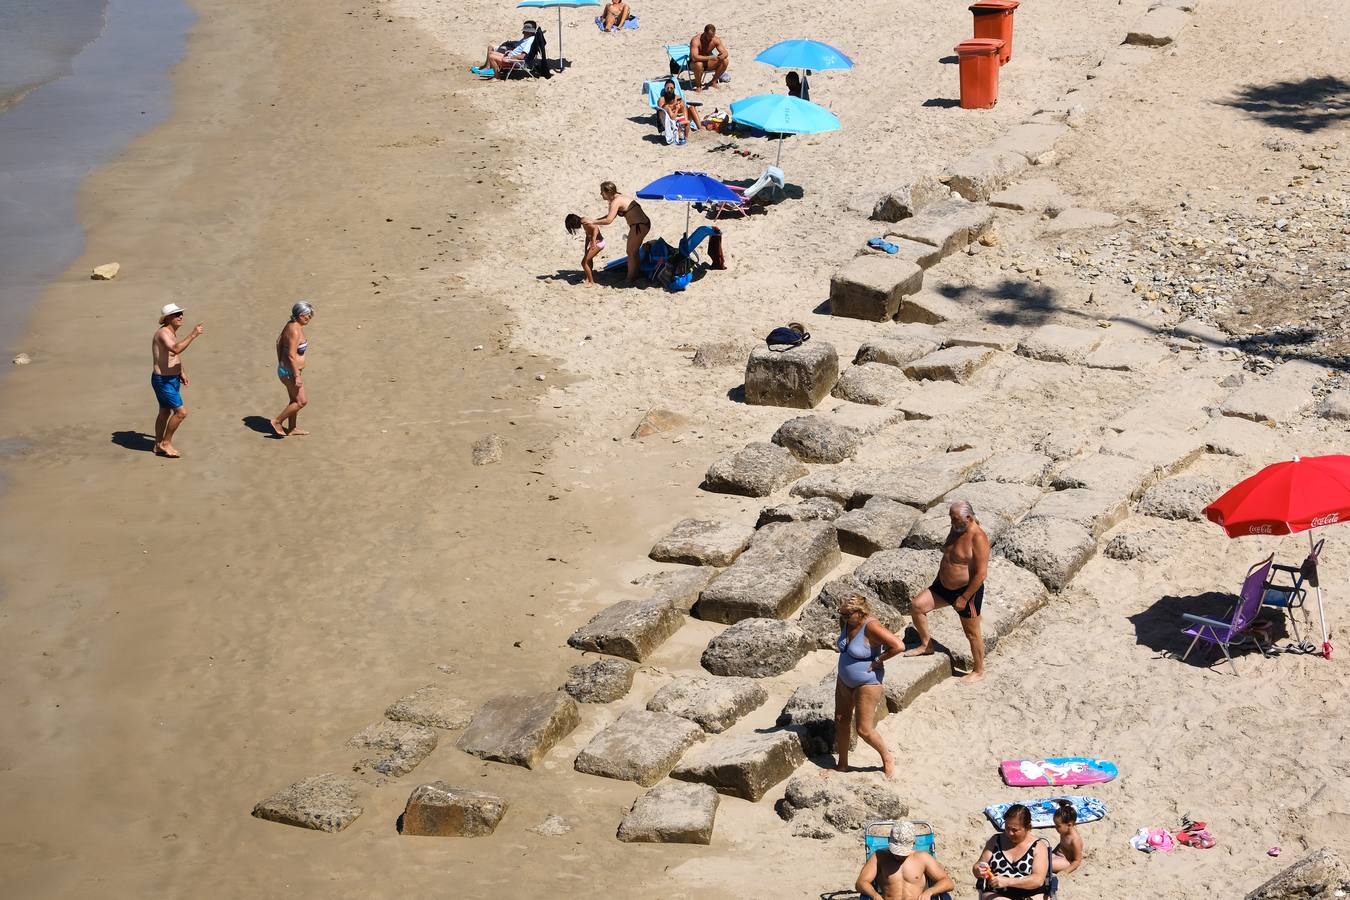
(994, 20)
(979, 59)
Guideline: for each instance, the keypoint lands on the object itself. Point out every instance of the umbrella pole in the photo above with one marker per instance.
(560, 56)
(689, 206)
(778, 160)
(1321, 612)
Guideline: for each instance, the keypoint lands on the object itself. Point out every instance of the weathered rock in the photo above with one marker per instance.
(1013, 467)
(437, 705)
(929, 308)
(994, 338)
(552, 826)
(938, 400)
(602, 681)
(810, 713)
(818, 439)
(920, 484)
(756, 648)
(1011, 596)
(1235, 437)
(1335, 405)
(893, 351)
(1279, 398)
(487, 450)
(756, 470)
(925, 256)
(1158, 27)
(681, 587)
(440, 810)
(845, 804)
(1182, 497)
(983, 173)
(1152, 545)
(880, 524)
(714, 704)
(870, 287)
(325, 802)
(910, 199)
(520, 729)
(721, 353)
(21, 359)
(1128, 356)
(952, 364)
(1166, 450)
(658, 421)
(1060, 343)
(909, 678)
(820, 617)
(395, 747)
(874, 384)
(105, 272)
(672, 813)
(640, 746)
(821, 509)
(1095, 511)
(1035, 195)
(949, 226)
(744, 766)
(1066, 444)
(1119, 475)
(1033, 140)
(800, 377)
(898, 576)
(774, 575)
(1079, 219)
(997, 506)
(1052, 549)
(699, 542)
(630, 628)
(1321, 875)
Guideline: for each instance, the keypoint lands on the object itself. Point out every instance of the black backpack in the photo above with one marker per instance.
(785, 338)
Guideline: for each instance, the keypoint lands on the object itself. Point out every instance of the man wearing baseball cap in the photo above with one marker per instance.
(168, 378)
(903, 872)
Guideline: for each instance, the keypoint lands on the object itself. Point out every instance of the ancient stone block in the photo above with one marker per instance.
(721, 353)
(1078, 219)
(1157, 28)
(874, 384)
(640, 746)
(820, 618)
(983, 173)
(1033, 140)
(1095, 511)
(699, 542)
(898, 576)
(602, 681)
(1235, 437)
(1102, 472)
(910, 199)
(948, 226)
(325, 802)
(1052, 549)
(630, 628)
(1128, 356)
(1035, 195)
(1012, 467)
(908, 678)
(1060, 343)
(1321, 875)
(997, 506)
(1336, 406)
(844, 804)
(756, 470)
(893, 351)
(681, 587)
(1165, 450)
(818, 439)
(800, 377)
(744, 766)
(810, 713)
(1066, 443)
(774, 575)
(880, 524)
(756, 648)
(919, 484)
(925, 256)
(814, 509)
(952, 364)
(394, 748)
(440, 810)
(714, 704)
(1269, 401)
(870, 287)
(1182, 497)
(1152, 544)
(993, 338)
(938, 399)
(437, 705)
(520, 729)
(1011, 596)
(929, 308)
(672, 813)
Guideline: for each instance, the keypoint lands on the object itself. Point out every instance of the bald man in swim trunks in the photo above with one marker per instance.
(959, 584)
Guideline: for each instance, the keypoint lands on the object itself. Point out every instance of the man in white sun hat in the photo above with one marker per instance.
(167, 376)
(903, 872)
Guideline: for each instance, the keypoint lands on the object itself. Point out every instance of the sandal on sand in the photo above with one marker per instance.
(882, 244)
(1193, 834)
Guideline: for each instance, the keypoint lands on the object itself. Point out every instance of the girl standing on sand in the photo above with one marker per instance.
(291, 347)
(595, 242)
(639, 226)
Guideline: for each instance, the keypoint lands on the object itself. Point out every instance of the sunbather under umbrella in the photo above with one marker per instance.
(805, 55)
(781, 114)
(1286, 498)
(688, 188)
(559, 4)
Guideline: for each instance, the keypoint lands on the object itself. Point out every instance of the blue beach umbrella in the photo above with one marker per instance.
(783, 114)
(688, 188)
(804, 55)
(559, 4)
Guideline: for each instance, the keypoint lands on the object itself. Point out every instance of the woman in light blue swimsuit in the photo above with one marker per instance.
(864, 645)
(291, 347)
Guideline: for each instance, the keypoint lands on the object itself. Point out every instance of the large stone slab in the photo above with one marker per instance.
(993, 337)
(1035, 195)
(870, 287)
(1228, 436)
(810, 712)
(1104, 472)
(950, 226)
(997, 506)
(630, 628)
(714, 704)
(520, 729)
(744, 766)
(929, 307)
(818, 439)
(437, 705)
(681, 587)
(1078, 219)
(909, 678)
(925, 256)
(1166, 450)
(774, 575)
(873, 384)
(756, 648)
(1060, 343)
(1128, 356)
(1182, 497)
(1279, 398)
(983, 173)
(756, 470)
(845, 805)
(1052, 549)
(1335, 406)
(1158, 27)
(910, 199)
(1067, 443)
(438, 809)
(1321, 875)
(641, 746)
(800, 377)
(879, 524)
(898, 576)
(701, 542)
(1096, 511)
(921, 484)
(893, 351)
(393, 748)
(957, 364)
(602, 681)
(938, 400)
(821, 509)
(1014, 467)
(1033, 140)
(325, 802)
(1011, 596)
(672, 813)
(820, 618)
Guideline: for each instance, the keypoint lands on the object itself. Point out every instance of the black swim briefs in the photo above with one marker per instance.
(950, 595)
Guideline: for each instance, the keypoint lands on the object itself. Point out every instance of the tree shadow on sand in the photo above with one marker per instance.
(1307, 105)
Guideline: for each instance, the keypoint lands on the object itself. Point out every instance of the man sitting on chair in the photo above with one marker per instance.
(900, 872)
(707, 53)
(510, 51)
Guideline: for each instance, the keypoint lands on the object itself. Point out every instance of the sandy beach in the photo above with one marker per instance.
(181, 639)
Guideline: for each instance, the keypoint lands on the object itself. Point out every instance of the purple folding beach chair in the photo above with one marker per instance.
(1237, 630)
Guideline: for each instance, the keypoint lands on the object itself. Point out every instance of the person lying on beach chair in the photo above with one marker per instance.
(707, 53)
(616, 14)
(903, 872)
(513, 54)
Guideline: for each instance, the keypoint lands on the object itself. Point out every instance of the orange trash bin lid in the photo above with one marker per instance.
(994, 6)
(978, 47)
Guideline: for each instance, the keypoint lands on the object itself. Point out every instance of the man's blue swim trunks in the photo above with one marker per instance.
(166, 390)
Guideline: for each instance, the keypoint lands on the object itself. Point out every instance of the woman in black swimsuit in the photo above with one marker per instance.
(1015, 865)
(639, 226)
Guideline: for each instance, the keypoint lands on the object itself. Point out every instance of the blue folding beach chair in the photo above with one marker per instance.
(679, 60)
(1288, 596)
(877, 836)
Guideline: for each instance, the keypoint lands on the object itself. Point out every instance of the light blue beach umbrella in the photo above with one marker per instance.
(783, 114)
(688, 188)
(803, 54)
(558, 4)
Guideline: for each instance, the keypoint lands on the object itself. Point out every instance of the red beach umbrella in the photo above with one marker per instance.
(1286, 498)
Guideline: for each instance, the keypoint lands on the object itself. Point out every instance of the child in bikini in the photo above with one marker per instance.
(1068, 855)
(595, 242)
